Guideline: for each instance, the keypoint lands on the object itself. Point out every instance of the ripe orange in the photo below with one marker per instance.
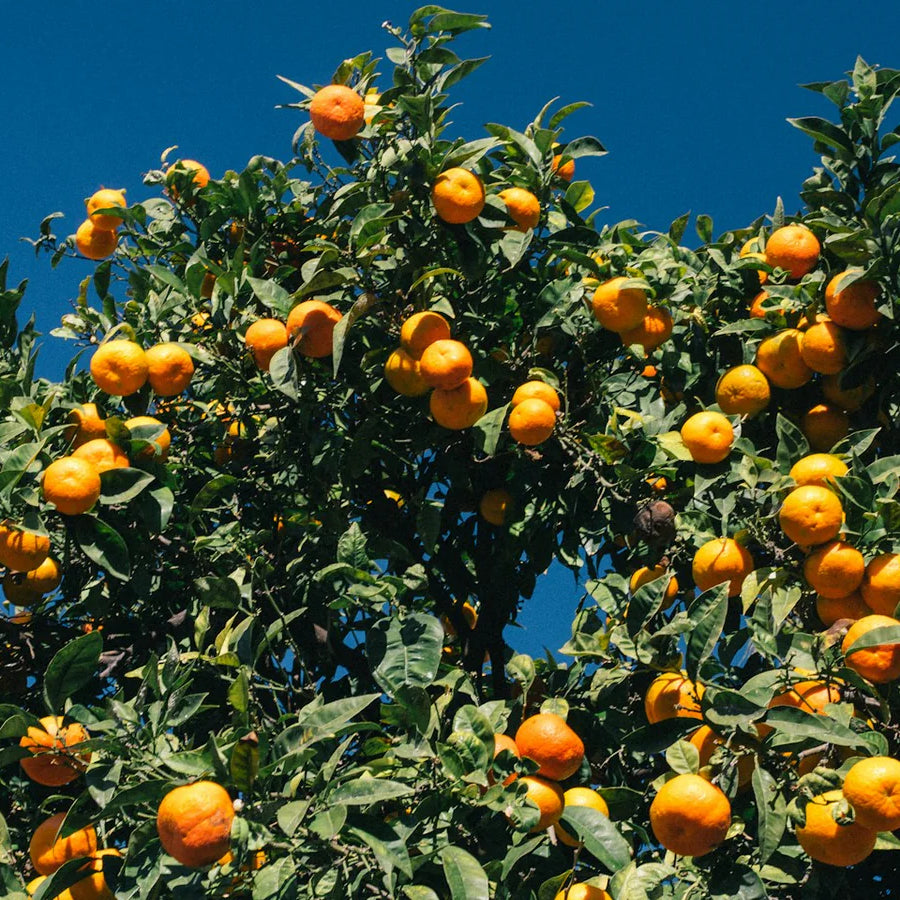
(824, 426)
(445, 364)
(847, 399)
(103, 454)
(183, 168)
(810, 696)
(494, 505)
(403, 374)
(854, 307)
(872, 788)
(654, 330)
(580, 796)
(619, 308)
(825, 840)
(582, 891)
(169, 369)
(523, 207)
(879, 664)
(265, 337)
(86, 424)
(547, 796)
(549, 740)
(22, 551)
(881, 584)
(337, 112)
(719, 560)
(779, 358)
(421, 330)
(793, 248)
(743, 391)
(707, 742)
(119, 368)
(672, 695)
(460, 407)
(645, 575)
(834, 570)
(564, 170)
(850, 607)
(539, 390)
(27, 588)
(94, 242)
(71, 485)
(504, 742)
(757, 310)
(106, 198)
(811, 515)
(93, 886)
(818, 468)
(707, 436)
(469, 613)
(823, 347)
(163, 439)
(314, 321)
(52, 763)
(689, 816)
(531, 422)
(49, 851)
(458, 196)
(194, 823)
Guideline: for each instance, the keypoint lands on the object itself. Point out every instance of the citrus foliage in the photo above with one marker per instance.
(286, 587)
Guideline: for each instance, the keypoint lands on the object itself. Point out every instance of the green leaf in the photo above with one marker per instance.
(707, 615)
(797, 724)
(792, 443)
(245, 761)
(488, 429)
(328, 822)
(405, 651)
(772, 812)
(122, 485)
(102, 544)
(271, 295)
(739, 883)
(351, 548)
(365, 790)
(601, 838)
(636, 882)
(824, 131)
(465, 877)
(389, 848)
(886, 635)
(684, 758)
(71, 668)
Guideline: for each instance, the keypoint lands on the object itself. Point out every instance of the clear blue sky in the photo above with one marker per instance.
(690, 99)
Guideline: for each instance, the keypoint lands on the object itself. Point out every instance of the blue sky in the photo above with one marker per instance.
(690, 99)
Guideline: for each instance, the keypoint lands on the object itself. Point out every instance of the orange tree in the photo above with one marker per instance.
(328, 423)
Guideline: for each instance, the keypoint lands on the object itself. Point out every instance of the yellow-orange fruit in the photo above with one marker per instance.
(27, 588)
(644, 575)
(834, 570)
(93, 242)
(780, 359)
(564, 170)
(314, 322)
(460, 407)
(619, 308)
(264, 338)
(794, 248)
(854, 307)
(105, 198)
(708, 436)
(71, 485)
(22, 551)
(531, 422)
(672, 695)
(581, 891)
(551, 742)
(689, 816)
(402, 373)
(494, 505)
(707, 742)
(48, 851)
(830, 610)
(547, 796)
(743, 391)
(445, 364)
(103, 454)
(872, 788)
(653, 331)
(881, 584)
(536, 390)
(458, 196)
(119, 368)
(504, 742)
(85, 424)
(825, 840)
(523, 207)
(580, 796)
(818, 468)
(163, 439)
(719, 560)
(337, 112)
(194, 823)
(846, 399)
(52, 762)
(823, 426)
(879, 664)
(811, 515)
(421, 330)
(823, 348)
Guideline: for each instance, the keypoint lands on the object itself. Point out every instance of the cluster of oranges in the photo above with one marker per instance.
(532, 417)
(96, 237)
(621, 307)
(310, 326)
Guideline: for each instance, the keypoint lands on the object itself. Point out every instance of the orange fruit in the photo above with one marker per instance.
(403, 374)
(825, 840)
(164, 439)
(539, 390)
(757, 310)
(85, 424)
(708, 436)
(834, 570)
(582, 891)
(469, 613)
(206, 288)
(658, 485)
(460, 407)
(549, 740)
(853, 607)
(48, 851)
(564, 170)
(337, 112)
(523, 207)
(458, 196)
(743, 391)
(793, 248)
(879, 664)
(94, 242)
(27, 588)
(854, 307)
(105, 198)
(71, 485)
(494, 505)
(872, 788)
(649, 372)
(707, 742)
(811, 514)
(672, 695)
(779, 358)
(93, 886)
(547, 796)
(645, 575)
(119, 368)
(880, 587)
(531, 422)
(655, 329)
(103, 454)
(847, 399)
(810, 696)
(169, 369)
(199, 175)
(823, 347)
(719, 560)
(264, 338)
(314, 321)
(818, 468)
(689, 816)
(22, 551)
(580, 796)
(194, 823)
(504, 742)
(619, 308)
(421, 330)
(445, 364)
(824, 426)
(52, 763)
